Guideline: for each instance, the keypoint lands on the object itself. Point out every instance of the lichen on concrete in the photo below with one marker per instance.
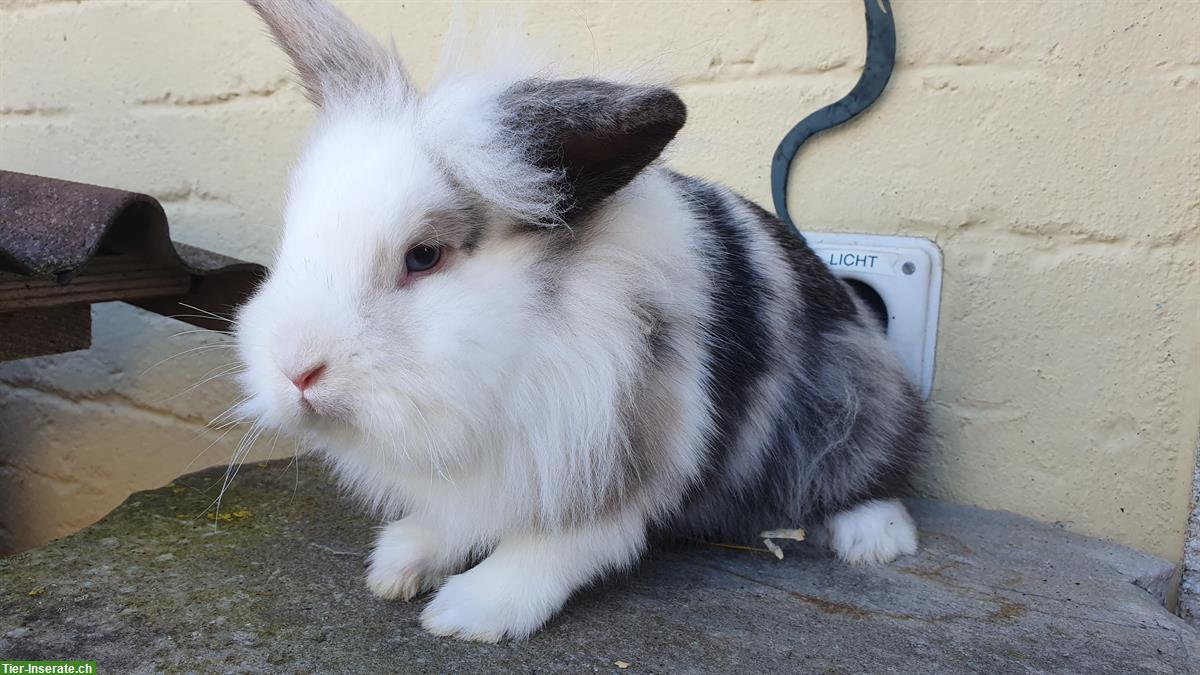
(158, 586)
(1189, 587)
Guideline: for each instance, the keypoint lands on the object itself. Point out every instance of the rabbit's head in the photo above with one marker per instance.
(424, 235)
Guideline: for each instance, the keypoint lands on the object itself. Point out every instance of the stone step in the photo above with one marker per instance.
(277, 586)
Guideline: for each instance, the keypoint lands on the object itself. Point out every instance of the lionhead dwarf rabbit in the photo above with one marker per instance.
(513, 332)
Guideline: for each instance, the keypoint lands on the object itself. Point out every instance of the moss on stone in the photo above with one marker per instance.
(157, 586)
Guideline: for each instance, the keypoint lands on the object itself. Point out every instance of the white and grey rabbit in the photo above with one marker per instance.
(514, 333)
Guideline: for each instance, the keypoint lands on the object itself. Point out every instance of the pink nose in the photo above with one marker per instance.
(309, 377)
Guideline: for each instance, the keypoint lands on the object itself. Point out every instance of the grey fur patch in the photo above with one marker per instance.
(650, 416)
(463, 227)
(596, 135)
(559, 246)
(474, 236)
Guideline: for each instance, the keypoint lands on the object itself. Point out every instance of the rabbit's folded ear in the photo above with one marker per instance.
(598, 135)
(336, 61)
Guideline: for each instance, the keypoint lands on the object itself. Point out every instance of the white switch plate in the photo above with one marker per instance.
(906, 272)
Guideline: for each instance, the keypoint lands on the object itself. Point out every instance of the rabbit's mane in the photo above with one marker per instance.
(459, 118)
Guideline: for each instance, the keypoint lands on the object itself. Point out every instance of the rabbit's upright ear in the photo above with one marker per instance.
(336, 61)
(598, 135)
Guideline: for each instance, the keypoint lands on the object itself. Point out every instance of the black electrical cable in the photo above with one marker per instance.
(881, 58)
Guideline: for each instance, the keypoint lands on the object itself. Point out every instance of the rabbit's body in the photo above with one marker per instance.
(600, 349)
(812, 411)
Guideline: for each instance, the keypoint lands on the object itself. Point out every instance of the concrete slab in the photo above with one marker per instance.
(277, 587)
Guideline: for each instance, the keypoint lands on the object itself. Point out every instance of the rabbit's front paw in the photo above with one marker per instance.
(490, 603)
(400, 565)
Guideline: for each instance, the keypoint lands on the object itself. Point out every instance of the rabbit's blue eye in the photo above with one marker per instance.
(422, 257)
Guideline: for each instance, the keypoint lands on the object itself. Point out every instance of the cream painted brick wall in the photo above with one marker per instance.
(1052, 149)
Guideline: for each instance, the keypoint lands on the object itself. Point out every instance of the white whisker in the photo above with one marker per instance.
(186, 351)
(206, 312)
(202, 330)
(239, 456)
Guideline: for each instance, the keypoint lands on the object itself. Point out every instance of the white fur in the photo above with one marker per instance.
(408, 558)
(450, 401)
(488, 422)
(528, 577)
(872, 533)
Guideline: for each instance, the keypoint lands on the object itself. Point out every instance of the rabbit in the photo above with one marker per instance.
(533, 349)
